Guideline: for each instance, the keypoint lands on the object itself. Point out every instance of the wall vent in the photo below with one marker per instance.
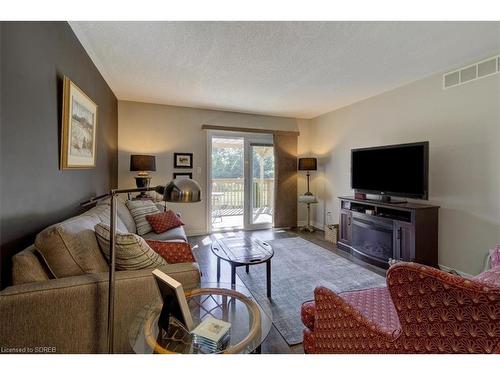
(469, 73)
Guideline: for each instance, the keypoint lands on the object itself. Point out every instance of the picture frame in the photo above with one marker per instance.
(181, 175)
(183, 160)
(78, 128)
(174, 301)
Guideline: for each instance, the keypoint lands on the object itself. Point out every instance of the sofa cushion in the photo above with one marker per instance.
(27, 268)
(70, 247)
(164, 221)
(123, 213)
(172, 234)
(132, 252)
(139, 209)
(376, 305)
(173, 252)
(491, 277)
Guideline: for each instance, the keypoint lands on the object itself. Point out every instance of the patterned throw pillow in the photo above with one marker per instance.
(132, 252)
(164, 221)
(173, 251)
(139, 209)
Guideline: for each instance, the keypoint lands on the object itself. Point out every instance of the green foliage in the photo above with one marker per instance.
(228, 163)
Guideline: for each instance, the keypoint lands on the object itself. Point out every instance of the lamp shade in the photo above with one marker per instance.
(182, 190)
(142, 163)
(308, 164)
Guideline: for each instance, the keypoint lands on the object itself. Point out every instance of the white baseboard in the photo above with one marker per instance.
(303, 223)
(196, 232)
(461, 273)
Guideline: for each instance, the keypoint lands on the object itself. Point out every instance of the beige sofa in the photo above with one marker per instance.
(58, 300)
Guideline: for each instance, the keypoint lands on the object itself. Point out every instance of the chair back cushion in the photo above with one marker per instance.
(70, 247)
(139, 209)
(132, 251)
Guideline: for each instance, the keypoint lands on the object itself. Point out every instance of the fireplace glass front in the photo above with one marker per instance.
(373, 239)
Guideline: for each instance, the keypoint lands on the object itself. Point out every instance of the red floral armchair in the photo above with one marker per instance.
(422, 310)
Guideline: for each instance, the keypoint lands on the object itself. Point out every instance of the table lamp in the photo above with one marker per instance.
(142, 164)
(308, 164)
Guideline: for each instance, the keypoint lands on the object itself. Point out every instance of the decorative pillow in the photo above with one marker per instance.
(132, 252)
(164, 221)
(139, 209)
(173, 251)
(495, 257)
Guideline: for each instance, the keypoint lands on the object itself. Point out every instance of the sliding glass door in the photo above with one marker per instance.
(240, 181)
(261, 185)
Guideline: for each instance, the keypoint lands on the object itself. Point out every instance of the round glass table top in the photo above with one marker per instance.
(250, 321)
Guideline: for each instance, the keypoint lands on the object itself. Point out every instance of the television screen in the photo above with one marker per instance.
(399, 170)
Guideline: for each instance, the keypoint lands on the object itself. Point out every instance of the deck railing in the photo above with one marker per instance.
(228, 193)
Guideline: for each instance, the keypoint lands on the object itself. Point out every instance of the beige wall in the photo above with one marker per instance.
(463, 127)
(162, 130)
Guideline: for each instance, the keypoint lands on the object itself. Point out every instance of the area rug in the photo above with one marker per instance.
(298, 266)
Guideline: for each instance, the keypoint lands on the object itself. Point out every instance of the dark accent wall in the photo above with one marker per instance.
(34, 193)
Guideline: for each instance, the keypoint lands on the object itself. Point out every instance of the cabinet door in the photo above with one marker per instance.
(345, 226)
(404, 241)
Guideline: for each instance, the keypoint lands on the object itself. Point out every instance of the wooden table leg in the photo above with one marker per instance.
(268, 277)
(233, 274)
(218, 269)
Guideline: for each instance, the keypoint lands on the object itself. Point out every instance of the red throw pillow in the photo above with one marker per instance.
(173, 252)
(164, 221)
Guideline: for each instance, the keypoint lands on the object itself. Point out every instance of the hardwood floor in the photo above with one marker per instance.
(274, 343)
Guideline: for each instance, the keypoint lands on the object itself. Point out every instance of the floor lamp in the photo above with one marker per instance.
(177, 191)
(308, 164)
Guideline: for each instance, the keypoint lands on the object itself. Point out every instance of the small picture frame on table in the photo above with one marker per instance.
(174, 301)
(182, 175)
(183, 160)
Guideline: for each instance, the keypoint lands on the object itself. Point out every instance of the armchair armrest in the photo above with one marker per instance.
(70, 314)
(340, 328)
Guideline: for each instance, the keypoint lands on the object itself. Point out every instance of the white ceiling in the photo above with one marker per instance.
(296, 69)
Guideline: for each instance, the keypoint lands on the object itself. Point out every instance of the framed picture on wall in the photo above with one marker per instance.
(181, 175)
(183, 160)
(78, 130)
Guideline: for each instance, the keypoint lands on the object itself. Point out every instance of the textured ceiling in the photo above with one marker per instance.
(296, 69)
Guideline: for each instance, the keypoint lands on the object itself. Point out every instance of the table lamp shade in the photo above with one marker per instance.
(142, 163)
(308, 164)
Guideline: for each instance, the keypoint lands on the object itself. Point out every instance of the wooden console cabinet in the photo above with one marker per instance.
(377, 231)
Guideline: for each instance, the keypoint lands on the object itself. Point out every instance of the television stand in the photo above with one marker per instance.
(379, 232)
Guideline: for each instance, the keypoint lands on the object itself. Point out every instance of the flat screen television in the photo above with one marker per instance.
(394, 170)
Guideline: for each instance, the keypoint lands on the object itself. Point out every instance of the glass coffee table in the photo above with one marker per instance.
(250, 321)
